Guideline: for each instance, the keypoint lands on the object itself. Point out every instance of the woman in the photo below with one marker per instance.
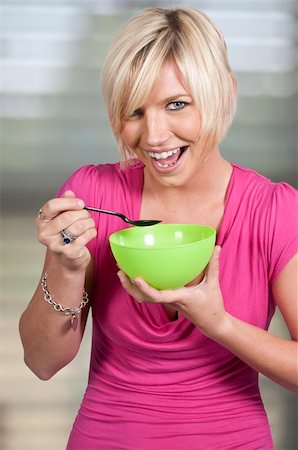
(169, 369)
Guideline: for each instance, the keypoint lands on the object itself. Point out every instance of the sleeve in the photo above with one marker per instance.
(283, 228)
(85, 183)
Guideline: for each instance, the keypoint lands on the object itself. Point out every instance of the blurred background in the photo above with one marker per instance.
(53, 120)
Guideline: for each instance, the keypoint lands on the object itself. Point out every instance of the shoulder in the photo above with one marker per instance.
(89, 175)
(284, 196)
(94, 183)
(262, 191)
(270, 210)
(110, 171)
(251, 180)
(93, 173)
(269, 205)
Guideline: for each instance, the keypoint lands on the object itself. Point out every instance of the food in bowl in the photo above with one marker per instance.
(166, 256)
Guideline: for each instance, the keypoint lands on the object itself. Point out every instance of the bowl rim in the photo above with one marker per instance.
(212, 235)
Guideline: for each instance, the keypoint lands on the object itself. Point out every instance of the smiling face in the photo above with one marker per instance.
(164, 132)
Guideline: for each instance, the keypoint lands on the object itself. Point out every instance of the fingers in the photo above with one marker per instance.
(67, 202)
(67, 219)
(143, 292)
(65, 210)
(85, 237)
(137, 288)
(80, 232)
(65, 213)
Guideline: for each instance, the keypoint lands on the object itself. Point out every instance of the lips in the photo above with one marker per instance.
(166, 159)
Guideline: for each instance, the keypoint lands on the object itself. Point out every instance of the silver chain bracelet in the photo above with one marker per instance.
(73, 312)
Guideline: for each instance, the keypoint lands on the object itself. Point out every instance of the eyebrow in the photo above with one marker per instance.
(172, 97)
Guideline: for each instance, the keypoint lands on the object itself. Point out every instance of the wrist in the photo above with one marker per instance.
(220, 329)
(65, 285)
(73, 312)
(66, 272)
(70, 265)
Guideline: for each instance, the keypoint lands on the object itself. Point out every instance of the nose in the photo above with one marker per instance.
(156, 130)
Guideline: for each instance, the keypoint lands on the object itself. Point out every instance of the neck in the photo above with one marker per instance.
(210, 179)
(199, 200)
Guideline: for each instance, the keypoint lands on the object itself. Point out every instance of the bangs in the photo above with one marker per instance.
(134, 88)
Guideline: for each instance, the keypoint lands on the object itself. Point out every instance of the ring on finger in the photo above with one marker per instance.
(67, 236)
(41, 216)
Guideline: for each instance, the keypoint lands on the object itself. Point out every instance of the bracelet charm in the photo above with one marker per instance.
(74, 322)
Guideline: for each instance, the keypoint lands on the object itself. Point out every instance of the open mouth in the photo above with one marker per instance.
(169, 158)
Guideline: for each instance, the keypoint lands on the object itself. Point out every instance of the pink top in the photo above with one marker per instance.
(161, 385)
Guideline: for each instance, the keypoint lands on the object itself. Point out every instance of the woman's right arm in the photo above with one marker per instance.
(49, 341)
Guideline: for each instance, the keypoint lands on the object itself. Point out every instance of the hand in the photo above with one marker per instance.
(201, 304)
(66, 213)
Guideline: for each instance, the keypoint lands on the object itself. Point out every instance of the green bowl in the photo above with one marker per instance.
(166, 256)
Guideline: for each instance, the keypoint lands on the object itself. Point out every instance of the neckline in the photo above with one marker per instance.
(137, 203)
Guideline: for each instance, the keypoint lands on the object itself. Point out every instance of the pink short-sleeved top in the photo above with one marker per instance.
(161, 385)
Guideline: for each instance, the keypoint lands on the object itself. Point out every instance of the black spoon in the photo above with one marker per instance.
(137, 223)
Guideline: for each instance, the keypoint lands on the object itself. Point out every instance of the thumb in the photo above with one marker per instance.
(77, 203)
(212, 271)
(68, 194)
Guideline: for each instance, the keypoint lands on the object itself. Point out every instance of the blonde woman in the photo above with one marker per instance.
(169, 369)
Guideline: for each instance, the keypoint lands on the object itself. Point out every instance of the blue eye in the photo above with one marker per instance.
(176, 105)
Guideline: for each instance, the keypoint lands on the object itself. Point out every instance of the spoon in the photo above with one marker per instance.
(137, 223)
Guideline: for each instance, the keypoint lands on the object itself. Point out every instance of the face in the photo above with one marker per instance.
(164, 131)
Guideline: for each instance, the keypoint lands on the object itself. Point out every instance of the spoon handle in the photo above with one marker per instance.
(105, 211)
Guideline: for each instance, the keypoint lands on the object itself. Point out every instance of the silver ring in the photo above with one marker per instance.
(67, 236)
(41, 216)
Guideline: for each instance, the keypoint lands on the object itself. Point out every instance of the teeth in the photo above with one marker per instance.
(163, 155)
(164, 165)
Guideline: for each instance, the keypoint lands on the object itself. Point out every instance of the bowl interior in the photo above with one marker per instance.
(161, 235)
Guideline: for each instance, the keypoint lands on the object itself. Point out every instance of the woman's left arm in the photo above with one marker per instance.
(273, 356)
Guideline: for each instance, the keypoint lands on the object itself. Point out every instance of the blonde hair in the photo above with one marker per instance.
(198, 48)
